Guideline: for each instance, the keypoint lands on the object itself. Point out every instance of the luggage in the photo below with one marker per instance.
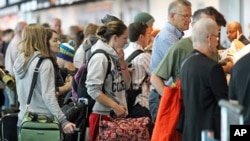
(124, 129)
(38, 127)
(79, 114)
(8, 127)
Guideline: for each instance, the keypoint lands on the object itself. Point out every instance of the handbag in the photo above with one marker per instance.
(72, 109)
(76, 111)
(168, 115)
(124, 129)
(38, 127)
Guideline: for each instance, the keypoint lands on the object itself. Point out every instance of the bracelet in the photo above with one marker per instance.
(124, 68)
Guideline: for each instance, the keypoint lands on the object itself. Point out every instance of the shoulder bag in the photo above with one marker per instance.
(38, 127)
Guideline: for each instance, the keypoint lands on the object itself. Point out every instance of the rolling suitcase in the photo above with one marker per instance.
(8, 127)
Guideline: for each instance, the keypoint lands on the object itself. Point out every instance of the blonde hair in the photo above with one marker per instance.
(33, 39)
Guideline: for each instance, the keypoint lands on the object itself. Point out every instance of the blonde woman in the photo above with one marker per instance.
(32, 47)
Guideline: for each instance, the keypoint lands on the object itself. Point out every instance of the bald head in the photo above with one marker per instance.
(232, 29)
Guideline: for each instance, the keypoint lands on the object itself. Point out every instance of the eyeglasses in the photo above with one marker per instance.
(186, 16)
(216, 36)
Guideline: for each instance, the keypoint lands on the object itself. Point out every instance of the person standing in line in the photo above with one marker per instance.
(8, 35)
(147, 19)
(221, 21)
(44, 95)
(179, 18)
(62, 57)
(236, 37)
(65, 70)
(234, 31)
(56, 24)
(239, 85)
(10, 57)
(113, 36)
(82, 55)
(139, 36)
(203, 84)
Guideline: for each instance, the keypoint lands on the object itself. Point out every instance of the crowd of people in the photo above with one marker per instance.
(208, 74)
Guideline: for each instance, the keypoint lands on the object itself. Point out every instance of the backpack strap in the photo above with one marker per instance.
(87, 55)
(107, 56)
(74, 84)
(133, 55)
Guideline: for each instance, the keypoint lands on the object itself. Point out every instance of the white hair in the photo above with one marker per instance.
(202, 28)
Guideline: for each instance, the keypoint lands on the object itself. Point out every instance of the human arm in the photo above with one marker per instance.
(96, 81)
(119, 109)
(124, 67)
(66, 87)
(158, 83)
(47, 78)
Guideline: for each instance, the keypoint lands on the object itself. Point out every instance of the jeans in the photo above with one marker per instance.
(11, 96)
(154, 101)
(6, 99)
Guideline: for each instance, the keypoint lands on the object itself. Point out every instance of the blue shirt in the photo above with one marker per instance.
(162, 42)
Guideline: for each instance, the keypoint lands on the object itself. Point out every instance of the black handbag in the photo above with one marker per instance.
(72, 109)
(76, 111)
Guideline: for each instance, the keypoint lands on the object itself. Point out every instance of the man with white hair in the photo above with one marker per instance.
(203, 83)
(179, 18)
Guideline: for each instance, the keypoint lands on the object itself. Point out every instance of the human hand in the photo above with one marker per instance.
(69, 128)
(120, 111)
(227, 64)
(226, 60)
(68, 78)
(120, 54)
(238, 45)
